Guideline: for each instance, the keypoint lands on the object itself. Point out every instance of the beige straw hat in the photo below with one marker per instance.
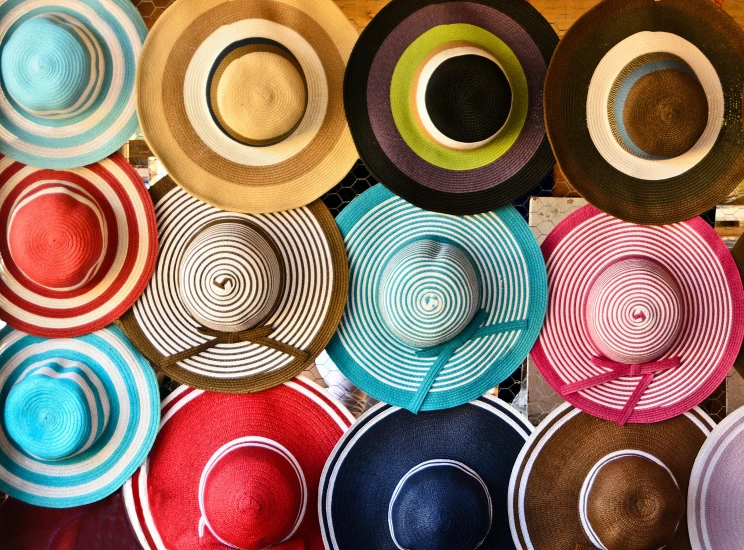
(242, 100)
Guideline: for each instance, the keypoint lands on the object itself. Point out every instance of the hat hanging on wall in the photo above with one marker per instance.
(79, 416)
(444, 100)
(78, 245)
(643, 322)
(584, 483)
(643, 107)
(248, 481)
(437, 480)
(67, 71)
(715, 498)
(441, 308)
(238, 302)
(242, 100)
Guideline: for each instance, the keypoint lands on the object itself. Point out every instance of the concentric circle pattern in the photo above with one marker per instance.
(68, 70)
(80, 245)
(659, 307)
(80, 415)
(445, 101)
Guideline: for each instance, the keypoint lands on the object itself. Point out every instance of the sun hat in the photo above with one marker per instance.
(437, 480)
(99, 525)
(249, 481)
(79, 416)
(238, 302)
(441, 308)
(242, 100)
(643, 108)
(444, 101)
(67, 71)
(643, 322)
(585, 483)
(715, 497)
(79, 245)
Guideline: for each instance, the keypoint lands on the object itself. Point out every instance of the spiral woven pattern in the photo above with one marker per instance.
(606, 263)
(79, 245)
(47, 389)
(68, 70)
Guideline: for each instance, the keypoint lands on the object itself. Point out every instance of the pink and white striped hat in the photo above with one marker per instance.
(643, 322)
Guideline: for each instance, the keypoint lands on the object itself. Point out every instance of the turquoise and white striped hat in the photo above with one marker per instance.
(67, 70)
(441, 308)
(78, 416)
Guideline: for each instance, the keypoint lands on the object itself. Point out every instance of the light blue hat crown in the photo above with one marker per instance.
(55, 412)
(48, 67)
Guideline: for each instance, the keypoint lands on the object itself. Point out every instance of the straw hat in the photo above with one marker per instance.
(79, 416)
(67, 72)
(643, 322)
(444, 100)
(242, 100)
(643, 107)
(437, 480)
(441, 308)
(715, 498)
(584, 483)
(238, 302)
(249, 481)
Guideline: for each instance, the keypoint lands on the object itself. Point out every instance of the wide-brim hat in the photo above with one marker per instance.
(441, 308)
(738, 254)
(715, 498)
(102, 524)
(238, 302)
(582, 483)
(79, 245)
(436, 480)
(643, 108)
(79, 416)
(68, 73)
(242, 101)
(247, 481)
(444, 100)
(643, 322)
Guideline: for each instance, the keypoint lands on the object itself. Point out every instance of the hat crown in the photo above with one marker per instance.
(631, 502)
(438, 505)
(56, 411)
(57, 236)
(430, 290)
(634, 311)
(252, 494)
(49, 65)
(231, 276)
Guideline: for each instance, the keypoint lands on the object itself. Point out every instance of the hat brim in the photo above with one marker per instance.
(311, 304)
(132, 391)
(298, 415)
(671, 199)
(551, 468)
(386, 442)
(124, 272)
(514, 289)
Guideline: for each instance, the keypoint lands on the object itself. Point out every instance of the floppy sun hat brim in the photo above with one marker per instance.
(513, 290)
(590, 243)
(129, 254)
(174, 108)
(107, 360)
(104, 118)
(379, 91)
(579, 84)
(552, 466)
(308, 310)
(386, 442)
(298, 414)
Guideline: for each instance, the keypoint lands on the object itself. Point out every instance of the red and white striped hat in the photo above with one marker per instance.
(79, 245)
(643, 322)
